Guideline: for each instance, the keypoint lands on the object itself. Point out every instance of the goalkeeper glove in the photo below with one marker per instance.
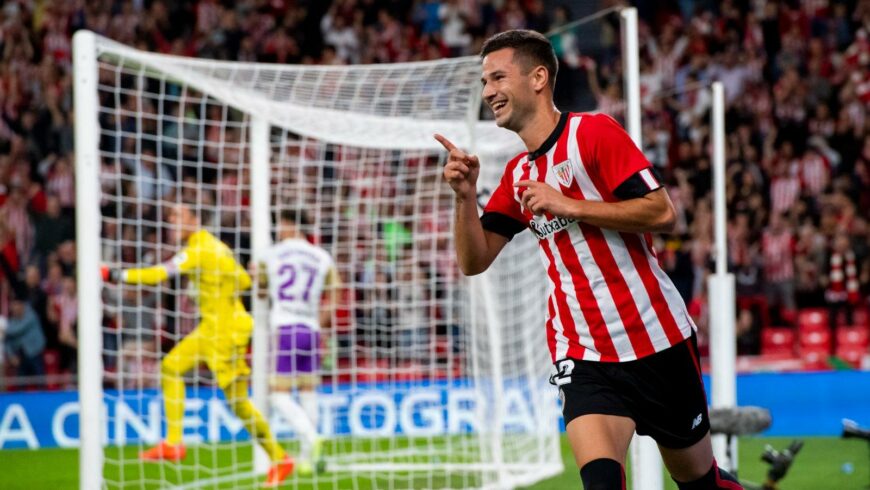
(110, 275)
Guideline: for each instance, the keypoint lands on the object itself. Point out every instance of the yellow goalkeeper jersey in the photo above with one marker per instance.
(216, 281)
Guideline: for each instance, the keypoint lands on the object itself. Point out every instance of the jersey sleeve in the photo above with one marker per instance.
(181, 263)
(616, 162)
(502, 214)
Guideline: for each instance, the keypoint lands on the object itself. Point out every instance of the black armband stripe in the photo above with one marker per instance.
(502, 224)
(638, 185)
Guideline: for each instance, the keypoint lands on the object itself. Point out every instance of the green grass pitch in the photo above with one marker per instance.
(823, 463)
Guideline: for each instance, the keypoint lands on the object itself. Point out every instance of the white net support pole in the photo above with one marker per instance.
(261, 225)
(717, 124)
(90, 342)
(631, 73)
(721, 290)
(646, 468)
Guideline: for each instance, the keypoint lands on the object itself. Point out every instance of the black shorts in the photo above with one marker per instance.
(663, 393)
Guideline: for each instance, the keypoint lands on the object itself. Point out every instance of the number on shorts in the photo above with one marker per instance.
(562, 376)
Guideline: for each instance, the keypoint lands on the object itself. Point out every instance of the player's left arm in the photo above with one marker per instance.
(617, 167)
(332, 286)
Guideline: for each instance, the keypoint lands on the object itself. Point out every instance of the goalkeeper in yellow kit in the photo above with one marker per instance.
(220, 339)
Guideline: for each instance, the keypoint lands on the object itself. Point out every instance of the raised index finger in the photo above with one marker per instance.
(526, 183)
(445, 142)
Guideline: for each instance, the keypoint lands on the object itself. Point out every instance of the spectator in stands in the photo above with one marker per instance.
(63, 311)
(412, 318)
(842, 291)
(60, 181)
(343, 37)
(139, 364)
(777, 245)
(8, 250)
(25, 341)
(809, 257)
(52, 229)
(16, 215)
(426, 15)
(785, 187)
(454, 27)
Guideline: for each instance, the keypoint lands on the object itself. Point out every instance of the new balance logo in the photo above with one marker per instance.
(697, 420)
(544, 229)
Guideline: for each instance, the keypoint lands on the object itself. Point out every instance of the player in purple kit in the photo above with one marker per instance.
(296, 273)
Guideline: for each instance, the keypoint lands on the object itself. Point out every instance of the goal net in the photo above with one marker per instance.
(429, 379)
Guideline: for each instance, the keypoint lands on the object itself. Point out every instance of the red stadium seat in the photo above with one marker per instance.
(815, 359)
(812, 317)
(852, 343)
(852, 354)
(858, 335)
(815, 337)
(777, 341)
(815, 347)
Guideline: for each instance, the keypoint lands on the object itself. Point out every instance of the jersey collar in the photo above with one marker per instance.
(551, 140)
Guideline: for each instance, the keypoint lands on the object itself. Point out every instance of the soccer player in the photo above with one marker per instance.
(620, 337)
(295, 273)
(220, 339)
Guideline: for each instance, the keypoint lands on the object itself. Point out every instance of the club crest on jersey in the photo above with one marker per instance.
(564, 173)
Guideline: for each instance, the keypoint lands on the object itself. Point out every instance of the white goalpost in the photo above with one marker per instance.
(91, 423)
(430, 380)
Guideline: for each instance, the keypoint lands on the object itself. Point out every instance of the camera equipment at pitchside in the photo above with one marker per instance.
(851, 430)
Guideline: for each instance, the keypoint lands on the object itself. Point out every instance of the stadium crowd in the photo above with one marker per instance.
(797, 82)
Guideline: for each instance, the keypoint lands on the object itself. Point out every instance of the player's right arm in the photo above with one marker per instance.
(476, 248)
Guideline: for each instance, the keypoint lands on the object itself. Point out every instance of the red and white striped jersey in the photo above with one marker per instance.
(814, 173)
(609, 299)
(784, 192)
(778, 251)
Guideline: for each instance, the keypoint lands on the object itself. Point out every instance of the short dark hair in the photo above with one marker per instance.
(531, 48)
(295, 216)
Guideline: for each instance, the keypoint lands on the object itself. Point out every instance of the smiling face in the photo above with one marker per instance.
(510, 89)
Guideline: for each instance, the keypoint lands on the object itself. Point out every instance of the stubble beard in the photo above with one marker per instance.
(517, 118)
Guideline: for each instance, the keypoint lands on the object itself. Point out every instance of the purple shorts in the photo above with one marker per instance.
(298, 350)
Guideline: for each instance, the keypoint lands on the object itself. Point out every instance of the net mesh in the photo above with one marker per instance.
(430, 379)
